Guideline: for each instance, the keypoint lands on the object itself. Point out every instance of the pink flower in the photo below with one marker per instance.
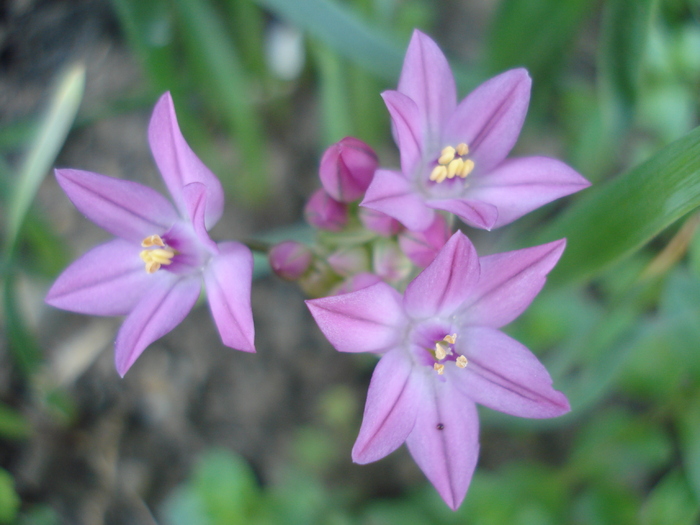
(347, 168)
(152, 272)
(442, 353)
(453, 157)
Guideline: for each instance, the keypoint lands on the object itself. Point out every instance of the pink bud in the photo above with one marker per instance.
(379, 222)
(290, 259)
(356, 282)
(347, 168)
(325, 213)
(349, 261)
(422, 247)
(389, 263)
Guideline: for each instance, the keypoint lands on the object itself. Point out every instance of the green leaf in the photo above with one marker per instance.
(613, 220)
(9, 500)
(626, 28)
(42, 153)
(671, 502)
(23, 345)
(216, 60)
(12, 423)
(335, 100)
(689, 433)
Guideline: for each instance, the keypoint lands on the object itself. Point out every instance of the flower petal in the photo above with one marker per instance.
(228, 279)
(158, 312)
(445, 440)
(108, 280)
(473, 212)
(178, 163)
(124, 208)
(508, 283)
(195, 197)
(504, 375)
(367, 320)
(408, 133)
(391, 193)
(390, 411)
(444, 285)
(518, 186)
(426, 78)
(489, 119)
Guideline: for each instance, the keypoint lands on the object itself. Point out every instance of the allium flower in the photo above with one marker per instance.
(442, 353)
(152, 271)
(325, 213)
(453, 156)
(347, 168)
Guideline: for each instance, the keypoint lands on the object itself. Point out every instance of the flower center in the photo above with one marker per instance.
(157, 254)
(452, 163)
(444, 351)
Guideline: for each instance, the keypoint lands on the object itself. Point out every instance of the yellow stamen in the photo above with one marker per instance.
(466, 169)
(440, 369)
(454, 167)
(440, 352)
(438, 174)
(462, 149)
(152, 240)
(446, 155)
(450, 339)
(461, 362)
(157, 257)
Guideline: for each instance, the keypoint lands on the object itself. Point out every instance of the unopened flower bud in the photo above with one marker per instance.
(349, 261)
(379, 222)
(290, 259)
(422, 247)
(388, 262)
(347, 168)
(357, 282)
(325, 213)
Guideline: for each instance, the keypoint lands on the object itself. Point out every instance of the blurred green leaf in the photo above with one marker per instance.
(534, 34)
(42, 153)
(12, 424)
(670, 503)
(341, 29)
(335, 99)
(689, 432)
(9, 500)
(626, 28)
(215, 58)
(25, 349)
(613, 220)
(248, 28)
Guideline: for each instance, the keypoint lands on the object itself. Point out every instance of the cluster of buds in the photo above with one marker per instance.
(356, 246)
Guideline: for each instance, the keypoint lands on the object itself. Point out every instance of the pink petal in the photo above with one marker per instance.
(159, 311)
(444, 285)
(178, 163)
(108, 280)
(367, 320)
(508, 283)
(422, 247)
(195, 197)
(426, 78)
(227, 279)
(504, 375)
(489, 119)
(124, 208)
(390, 412)
(472, 212)
(391, 193)
(347, 168)
(518, 186)
(445, 440)
(407, 127)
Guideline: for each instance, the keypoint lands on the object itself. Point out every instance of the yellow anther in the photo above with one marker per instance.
(440, 352)
(438, 174)
(461, 362)
(440, 369)
(462, 149)
(152, 240)
(450, 339)
(157, 257)
(446, 155)
(467, 168)
(454, 168)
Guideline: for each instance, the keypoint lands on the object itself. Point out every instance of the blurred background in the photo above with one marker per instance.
(199, 434)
